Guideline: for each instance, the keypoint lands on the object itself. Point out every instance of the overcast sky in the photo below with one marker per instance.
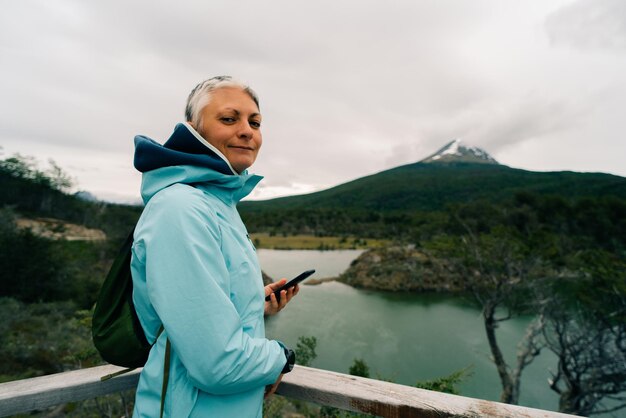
(347, 88)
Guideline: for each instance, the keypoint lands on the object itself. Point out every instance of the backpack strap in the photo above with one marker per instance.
(166, 373)
(112, 375)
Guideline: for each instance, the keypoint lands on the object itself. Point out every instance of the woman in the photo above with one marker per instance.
(195, 270)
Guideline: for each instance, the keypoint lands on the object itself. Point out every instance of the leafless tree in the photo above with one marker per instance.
(590, 377)
(498, 269)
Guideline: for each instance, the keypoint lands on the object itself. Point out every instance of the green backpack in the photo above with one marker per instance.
(115, 326)
(117, 333)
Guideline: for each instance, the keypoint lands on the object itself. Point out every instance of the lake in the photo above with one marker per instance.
(402, 337)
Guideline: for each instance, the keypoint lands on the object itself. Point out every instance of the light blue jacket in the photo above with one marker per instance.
(196, 272)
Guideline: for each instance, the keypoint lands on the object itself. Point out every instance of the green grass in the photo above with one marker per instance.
(310, 242)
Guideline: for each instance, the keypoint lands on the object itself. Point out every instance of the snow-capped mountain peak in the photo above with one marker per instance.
(457, 151)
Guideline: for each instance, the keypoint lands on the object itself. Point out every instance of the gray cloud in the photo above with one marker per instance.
(347, 88)
(590, 25)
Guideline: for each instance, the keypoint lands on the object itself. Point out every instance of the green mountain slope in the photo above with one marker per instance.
(431, 187)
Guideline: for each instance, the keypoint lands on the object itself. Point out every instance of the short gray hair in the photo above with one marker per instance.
(200, 96)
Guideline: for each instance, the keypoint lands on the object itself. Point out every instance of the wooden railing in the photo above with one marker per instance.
(338, 390)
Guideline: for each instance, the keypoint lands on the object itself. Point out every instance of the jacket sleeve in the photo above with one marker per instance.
(188, 285)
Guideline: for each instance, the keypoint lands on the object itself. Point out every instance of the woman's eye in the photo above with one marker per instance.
(255, 124)
(227, 119)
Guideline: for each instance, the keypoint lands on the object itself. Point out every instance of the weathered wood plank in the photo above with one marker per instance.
(391, 400)
(43, 392)
(320, 386)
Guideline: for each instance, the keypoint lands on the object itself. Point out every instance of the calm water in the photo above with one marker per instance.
(404, 338)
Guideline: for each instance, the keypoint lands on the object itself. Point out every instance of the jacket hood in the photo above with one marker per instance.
(184, 147)
(187, 158)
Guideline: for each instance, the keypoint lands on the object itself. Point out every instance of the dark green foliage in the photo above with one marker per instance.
(359, 368)
(39, 269)
(43, 338)
(305, 350)
(447, 384)
(31, 270)
(84, 266)
(25, 168)
(596, 283)
(330, 412)
(544, 221)
(30, 190)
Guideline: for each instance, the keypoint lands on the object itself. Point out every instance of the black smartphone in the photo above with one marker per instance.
(290, 283)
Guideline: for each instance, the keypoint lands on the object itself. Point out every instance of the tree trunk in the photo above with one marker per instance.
(509, 393)
(570, 403)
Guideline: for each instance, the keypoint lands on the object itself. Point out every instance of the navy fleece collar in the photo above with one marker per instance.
(184, 147)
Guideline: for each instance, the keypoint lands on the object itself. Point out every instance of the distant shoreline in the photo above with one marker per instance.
(268, 241)
(316, 282)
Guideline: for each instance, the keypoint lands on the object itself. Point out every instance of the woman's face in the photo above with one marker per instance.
(231, 122)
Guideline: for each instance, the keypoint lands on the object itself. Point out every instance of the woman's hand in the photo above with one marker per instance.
(273, 306)
(270, 389)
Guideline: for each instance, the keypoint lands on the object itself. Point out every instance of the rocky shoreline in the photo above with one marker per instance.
(396, 269)
(402, 269)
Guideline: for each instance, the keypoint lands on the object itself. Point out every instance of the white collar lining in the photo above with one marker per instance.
(209, 146)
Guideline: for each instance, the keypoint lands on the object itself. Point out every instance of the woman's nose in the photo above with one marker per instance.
(245, 130)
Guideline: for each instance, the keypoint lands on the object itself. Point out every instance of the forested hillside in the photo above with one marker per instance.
(32, 192)
(428, 187)
(414, 200)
